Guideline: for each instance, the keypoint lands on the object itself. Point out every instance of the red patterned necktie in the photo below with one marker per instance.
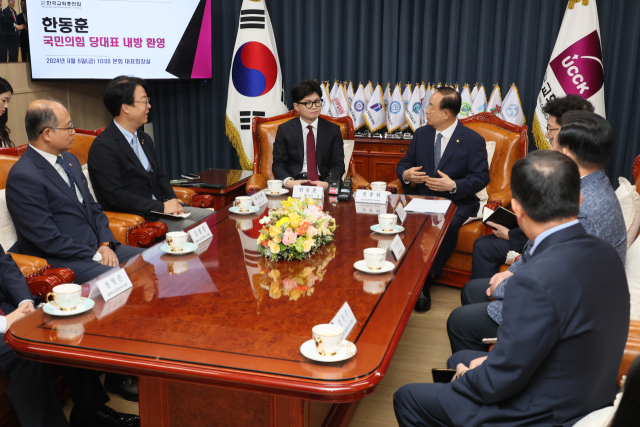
(312, 167)
(14, 15)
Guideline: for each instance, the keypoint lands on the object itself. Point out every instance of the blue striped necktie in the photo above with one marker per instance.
(72, 181)
(437, 153)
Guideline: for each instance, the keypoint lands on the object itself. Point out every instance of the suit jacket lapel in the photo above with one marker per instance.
(52, 174)
(321, 136)
(145, 147)
(123, 145)
(298, 136)
(452, 146)
(430, 151)
(80, 180)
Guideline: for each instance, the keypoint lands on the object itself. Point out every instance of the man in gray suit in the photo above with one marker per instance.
(560, 343)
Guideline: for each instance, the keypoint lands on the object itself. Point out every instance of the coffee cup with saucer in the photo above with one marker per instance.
(328, 344)
(374, 262)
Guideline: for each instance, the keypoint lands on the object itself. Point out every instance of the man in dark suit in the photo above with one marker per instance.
(11, 30)
(32, 391)
(24, 32)
(490, 251)
(560, 343)
(123, 165)
(54, 213)
(445, 159)
(309, 149)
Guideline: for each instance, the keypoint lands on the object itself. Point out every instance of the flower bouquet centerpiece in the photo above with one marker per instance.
(295, 230)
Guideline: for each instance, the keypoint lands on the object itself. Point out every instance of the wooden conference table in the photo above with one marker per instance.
(214, 337)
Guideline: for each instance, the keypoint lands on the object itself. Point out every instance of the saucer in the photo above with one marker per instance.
(188, 248)
(346, 351)
(236, 210)
(362, 266)
(279, 193)
(396, 229)
(85, 304)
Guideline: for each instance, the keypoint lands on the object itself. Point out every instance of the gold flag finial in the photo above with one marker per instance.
(573, 2)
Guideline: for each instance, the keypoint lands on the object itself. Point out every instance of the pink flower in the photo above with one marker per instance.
(289, 237)
(289, 284)
(312, 231)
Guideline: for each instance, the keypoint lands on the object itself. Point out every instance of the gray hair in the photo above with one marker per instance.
(38, 118)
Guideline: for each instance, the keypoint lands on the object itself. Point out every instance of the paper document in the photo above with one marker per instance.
(184, 215)
(428, 206)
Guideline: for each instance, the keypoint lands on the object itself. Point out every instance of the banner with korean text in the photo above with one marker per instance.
(90, 39)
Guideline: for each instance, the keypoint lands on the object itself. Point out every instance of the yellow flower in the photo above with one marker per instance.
(275, 247)
(307, 245)
(261, 238)
(274, 231)
(294, 219)
(276, 239)
(282, 221)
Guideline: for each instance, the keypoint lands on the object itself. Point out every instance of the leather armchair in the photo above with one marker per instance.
(41, 277)
(264, 134)
(188, 196)
(511, 145)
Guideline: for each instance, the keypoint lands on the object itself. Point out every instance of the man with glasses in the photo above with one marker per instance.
(310, 149)
(54, 213)
(124, 169)
(490, 251)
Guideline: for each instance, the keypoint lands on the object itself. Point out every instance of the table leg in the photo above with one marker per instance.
(172, 403)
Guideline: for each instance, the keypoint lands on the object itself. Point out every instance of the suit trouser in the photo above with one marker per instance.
(197, 215)
(469, 324)
(13, 45)
(32, 390)
(123, 252)
(489, 253)
(448, 244)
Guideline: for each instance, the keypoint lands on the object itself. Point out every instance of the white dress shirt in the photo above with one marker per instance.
(305, 133)
(51, 158)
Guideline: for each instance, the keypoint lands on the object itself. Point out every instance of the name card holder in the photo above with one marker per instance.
(114, 284)
(259, 199)
(397, 247)
(345, 319)
(402, 214)
(370, 208)
(310, 192)
(370, 196)
(200, 233)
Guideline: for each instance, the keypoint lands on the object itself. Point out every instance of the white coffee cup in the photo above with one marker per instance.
(243, 203)
(328, 338)
(177, 240)
(374, 257)
(378, 186)
(275, 185)
(66, 296)
(387, 221)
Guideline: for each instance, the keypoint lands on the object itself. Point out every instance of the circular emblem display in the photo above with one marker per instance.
(254, 70)
(395, 107)
(465, 108)
(359, 106)
(416, 107)
(511, 110)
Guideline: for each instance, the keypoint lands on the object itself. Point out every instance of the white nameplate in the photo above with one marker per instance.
(114, 284)
(397, 247)
(345, 319)
(259, 199)
(200, 233)
(402, 214)
(370, 196)
(370, 208)
(308, 191)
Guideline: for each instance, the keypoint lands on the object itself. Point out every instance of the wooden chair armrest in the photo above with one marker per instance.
(255, 183)
(28, 264)
(159, 227)
(202, 201)
(64, 274)
(142, 237)
(502, 196)
(397, 185)
(184, 194)
(631, 350)
(358, 180)
(130, 219)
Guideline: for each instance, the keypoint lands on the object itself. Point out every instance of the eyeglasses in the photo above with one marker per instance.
(309, 104)
(70, 129)
(146, 101)
(552, 129)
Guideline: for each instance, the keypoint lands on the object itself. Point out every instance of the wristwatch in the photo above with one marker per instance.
(455, 188)
(112, 245)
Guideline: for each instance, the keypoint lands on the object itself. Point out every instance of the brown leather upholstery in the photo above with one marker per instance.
(29, 264)
(14, 151)
(95, 132)
(6, 163)
(81, 145)
(264, 132)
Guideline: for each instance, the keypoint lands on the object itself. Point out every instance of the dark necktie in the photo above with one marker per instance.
(72, 181)
(14, 15)
(437, 153)
(312, 166)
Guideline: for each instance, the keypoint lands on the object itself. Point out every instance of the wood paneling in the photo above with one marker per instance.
(376, 159)
(83, 99)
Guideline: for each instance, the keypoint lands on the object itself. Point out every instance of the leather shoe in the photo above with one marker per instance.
(423, 304)
(103, 417)
(124, 385)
